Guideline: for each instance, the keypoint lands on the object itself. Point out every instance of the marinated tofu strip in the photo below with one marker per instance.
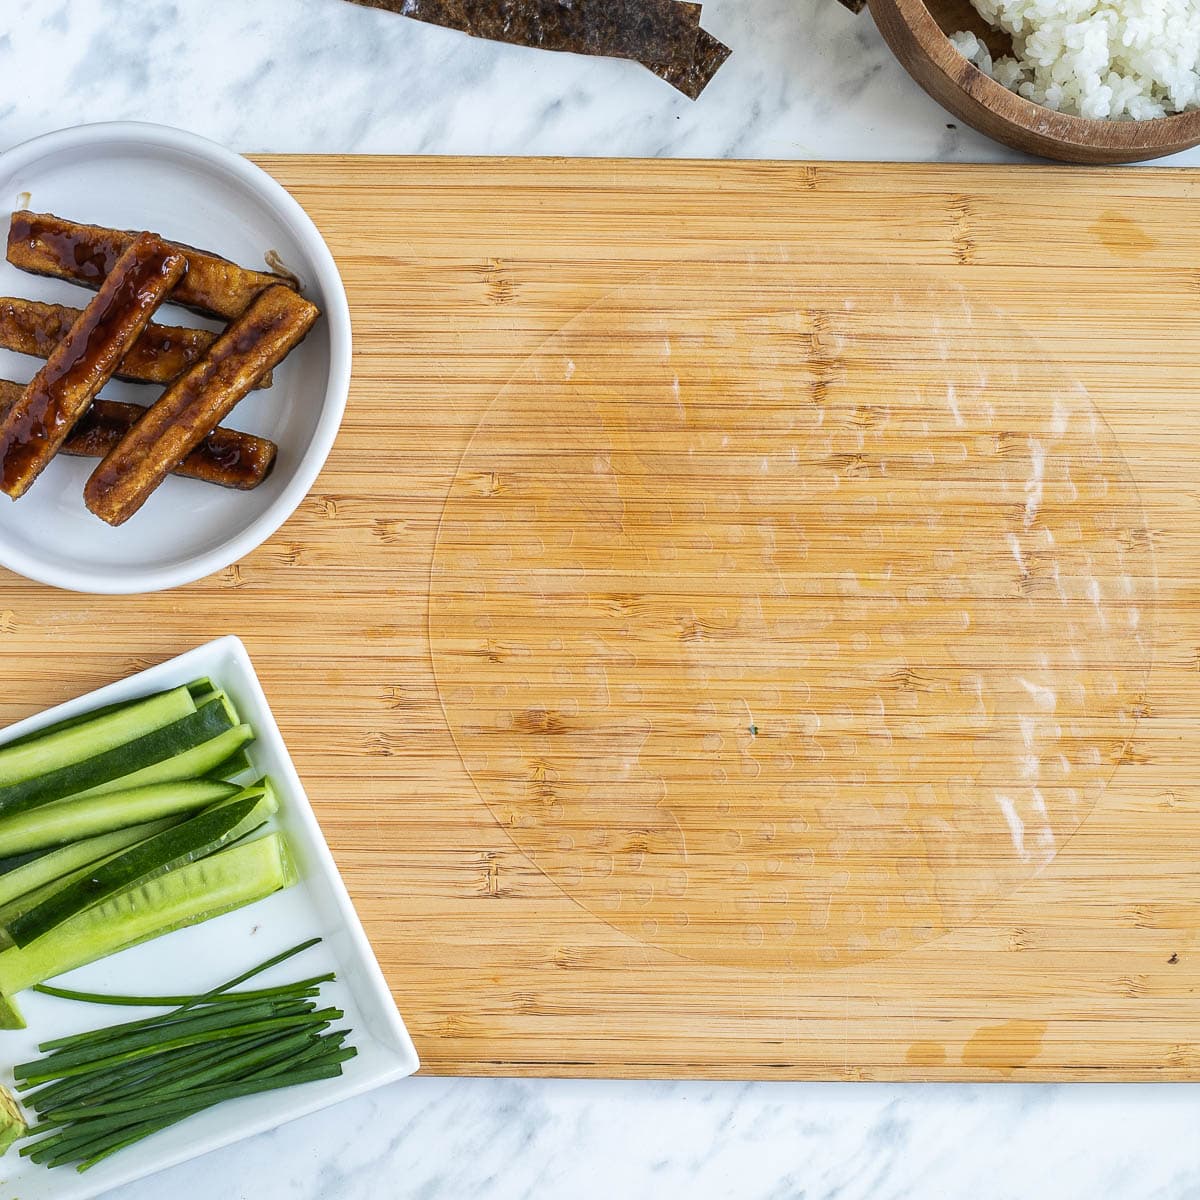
(36, 426)
(44, 244)
(275, 322)
(226, 457)
(161, 354)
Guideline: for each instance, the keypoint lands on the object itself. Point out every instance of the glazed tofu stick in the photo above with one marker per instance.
(161, 354)
(44, 244)
(226, 457)
(36, 426)
(274, 323)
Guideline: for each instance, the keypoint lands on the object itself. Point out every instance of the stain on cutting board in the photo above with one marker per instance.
(1005, 1047)
(1123, 236)
(925, 1054)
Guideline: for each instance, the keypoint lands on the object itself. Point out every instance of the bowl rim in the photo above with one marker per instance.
(1153, 134)
(336, 311)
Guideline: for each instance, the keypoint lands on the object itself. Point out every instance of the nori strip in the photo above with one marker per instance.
(691, 76)
(663, 35)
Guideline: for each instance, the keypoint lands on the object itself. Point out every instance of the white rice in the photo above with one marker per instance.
(1114, 59)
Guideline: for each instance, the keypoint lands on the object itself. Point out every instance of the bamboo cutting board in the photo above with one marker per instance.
(746, 626)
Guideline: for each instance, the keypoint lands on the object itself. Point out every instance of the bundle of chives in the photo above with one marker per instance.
(98, 1092)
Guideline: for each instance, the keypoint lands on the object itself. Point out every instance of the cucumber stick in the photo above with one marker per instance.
(202, 687)
(117, 763)
(229, 879)
(207, 697)
(207, 758)
(73, 743)
(70, 820)
(15, 861)
(197, 837)
(14, 908)
(69, 723)
(119, 840)
(55, 863)
(238, 762)
(22, 904)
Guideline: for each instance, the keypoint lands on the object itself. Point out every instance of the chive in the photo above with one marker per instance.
(318, 1048)
(263, 966)
(322, 1017)
(267, 1053)
(305, 989)
(156, 1058)
(192, 1001)
(33, 1149)
(140, 1132)
(119, 1118)
(82, 1134)
(329, 1046)
(71, 1143)
(106, 1048)
(100, 1041)
(185, 1001)
(97, 1092)
(110, 1144)
(119, 1077)
(219, 1063)
(125, 1074)
(139, 1077)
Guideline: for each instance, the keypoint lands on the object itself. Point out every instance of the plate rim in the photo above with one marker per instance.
(242, 542)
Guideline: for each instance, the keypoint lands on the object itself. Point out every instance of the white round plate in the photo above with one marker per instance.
(139, 176)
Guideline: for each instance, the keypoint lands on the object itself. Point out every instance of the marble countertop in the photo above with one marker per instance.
(806, 80)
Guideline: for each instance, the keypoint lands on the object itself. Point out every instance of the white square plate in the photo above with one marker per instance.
(204, 956)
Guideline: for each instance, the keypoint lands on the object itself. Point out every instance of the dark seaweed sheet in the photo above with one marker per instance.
(691, 75)
(663, 35)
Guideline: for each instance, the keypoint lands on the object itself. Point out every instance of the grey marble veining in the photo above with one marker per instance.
(807, 80)
(521, 1140)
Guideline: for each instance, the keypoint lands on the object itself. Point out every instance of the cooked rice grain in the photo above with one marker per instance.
(1105, 59)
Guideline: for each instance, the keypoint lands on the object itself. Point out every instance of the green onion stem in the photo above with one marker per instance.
(105, 1048)
(174, 1001)
(266, 1054)
(144, 1076)
(86, 1130)
(97, 1092)
(136, 1135)
(328, 1045)
(323, 1017)
(132, 1075)
(304, 990)
(162, 1001)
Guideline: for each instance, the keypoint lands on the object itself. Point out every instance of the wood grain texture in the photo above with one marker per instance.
(917, 33)
(458, 272)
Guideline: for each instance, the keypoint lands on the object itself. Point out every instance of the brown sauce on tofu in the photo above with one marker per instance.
(50, 406)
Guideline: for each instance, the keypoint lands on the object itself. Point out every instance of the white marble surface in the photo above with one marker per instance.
(806, 80)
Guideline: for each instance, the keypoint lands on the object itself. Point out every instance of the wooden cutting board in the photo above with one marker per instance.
(746, 627)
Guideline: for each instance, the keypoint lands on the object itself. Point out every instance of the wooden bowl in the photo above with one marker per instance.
(917, 33)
